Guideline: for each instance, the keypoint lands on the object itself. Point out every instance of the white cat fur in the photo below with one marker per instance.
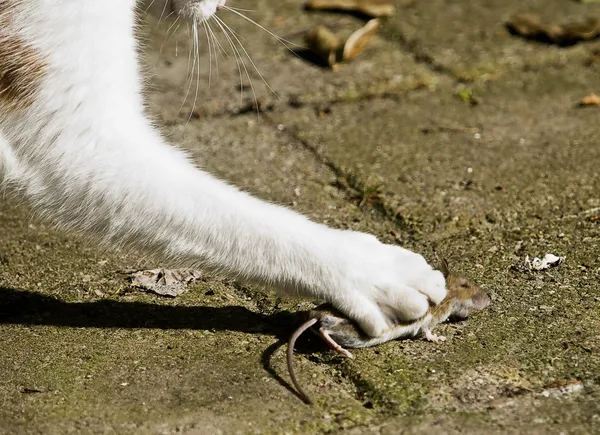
(75, 142)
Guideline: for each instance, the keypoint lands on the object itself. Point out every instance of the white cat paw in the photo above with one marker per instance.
(384, 285)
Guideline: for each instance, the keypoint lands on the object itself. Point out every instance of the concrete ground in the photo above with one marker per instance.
(448, 135)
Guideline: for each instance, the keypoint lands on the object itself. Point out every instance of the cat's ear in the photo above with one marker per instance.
(444, 268)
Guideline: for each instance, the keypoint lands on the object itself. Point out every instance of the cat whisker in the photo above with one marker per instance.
(213, 46)
(192, 59)
(222, 50)
(197, 62)
(210, 52)
(147, 7)
(240, 9)
(216, 45)
(168, 37)
(162, 14)
(188, 68)
(238, 58)
(248, 56)
(283, 41)
(239, 52)
(279, 39)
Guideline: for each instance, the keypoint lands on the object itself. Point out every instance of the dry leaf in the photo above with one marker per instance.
(372, 8)
(324, 43)
(590, 100)
(360, 39)
(332, 50)
(530, 26)
(165, 282)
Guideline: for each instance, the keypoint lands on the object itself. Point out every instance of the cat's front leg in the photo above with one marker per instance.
(152, 197)
(86, 157)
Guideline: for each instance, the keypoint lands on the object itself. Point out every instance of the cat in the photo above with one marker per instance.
(74, 141)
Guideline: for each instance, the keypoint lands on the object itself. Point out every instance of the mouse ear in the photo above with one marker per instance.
(481, 300)
(444, 268)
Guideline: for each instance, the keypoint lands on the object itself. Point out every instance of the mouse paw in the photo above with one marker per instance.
(333, 345)
(429, 336)
(437, 338)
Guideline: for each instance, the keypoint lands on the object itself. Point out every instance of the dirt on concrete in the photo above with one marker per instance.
(448, 135)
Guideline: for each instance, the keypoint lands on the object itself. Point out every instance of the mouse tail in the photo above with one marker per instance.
(290, 358)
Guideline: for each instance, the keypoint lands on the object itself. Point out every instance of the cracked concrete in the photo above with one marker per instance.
(386, 145)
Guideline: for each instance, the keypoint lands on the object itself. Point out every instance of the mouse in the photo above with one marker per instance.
(463, 298)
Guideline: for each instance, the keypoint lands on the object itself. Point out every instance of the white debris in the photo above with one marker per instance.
(563, 389)
(549, 260)
(536, 264)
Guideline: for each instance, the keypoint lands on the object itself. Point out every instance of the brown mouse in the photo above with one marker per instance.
(463, 298)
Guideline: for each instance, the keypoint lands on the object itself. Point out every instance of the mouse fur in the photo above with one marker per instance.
(338, 332)
(463, 298)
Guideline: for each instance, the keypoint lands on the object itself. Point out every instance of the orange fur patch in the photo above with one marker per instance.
(22, 68)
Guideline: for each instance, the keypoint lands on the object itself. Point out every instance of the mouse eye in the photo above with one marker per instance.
(464, 283)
